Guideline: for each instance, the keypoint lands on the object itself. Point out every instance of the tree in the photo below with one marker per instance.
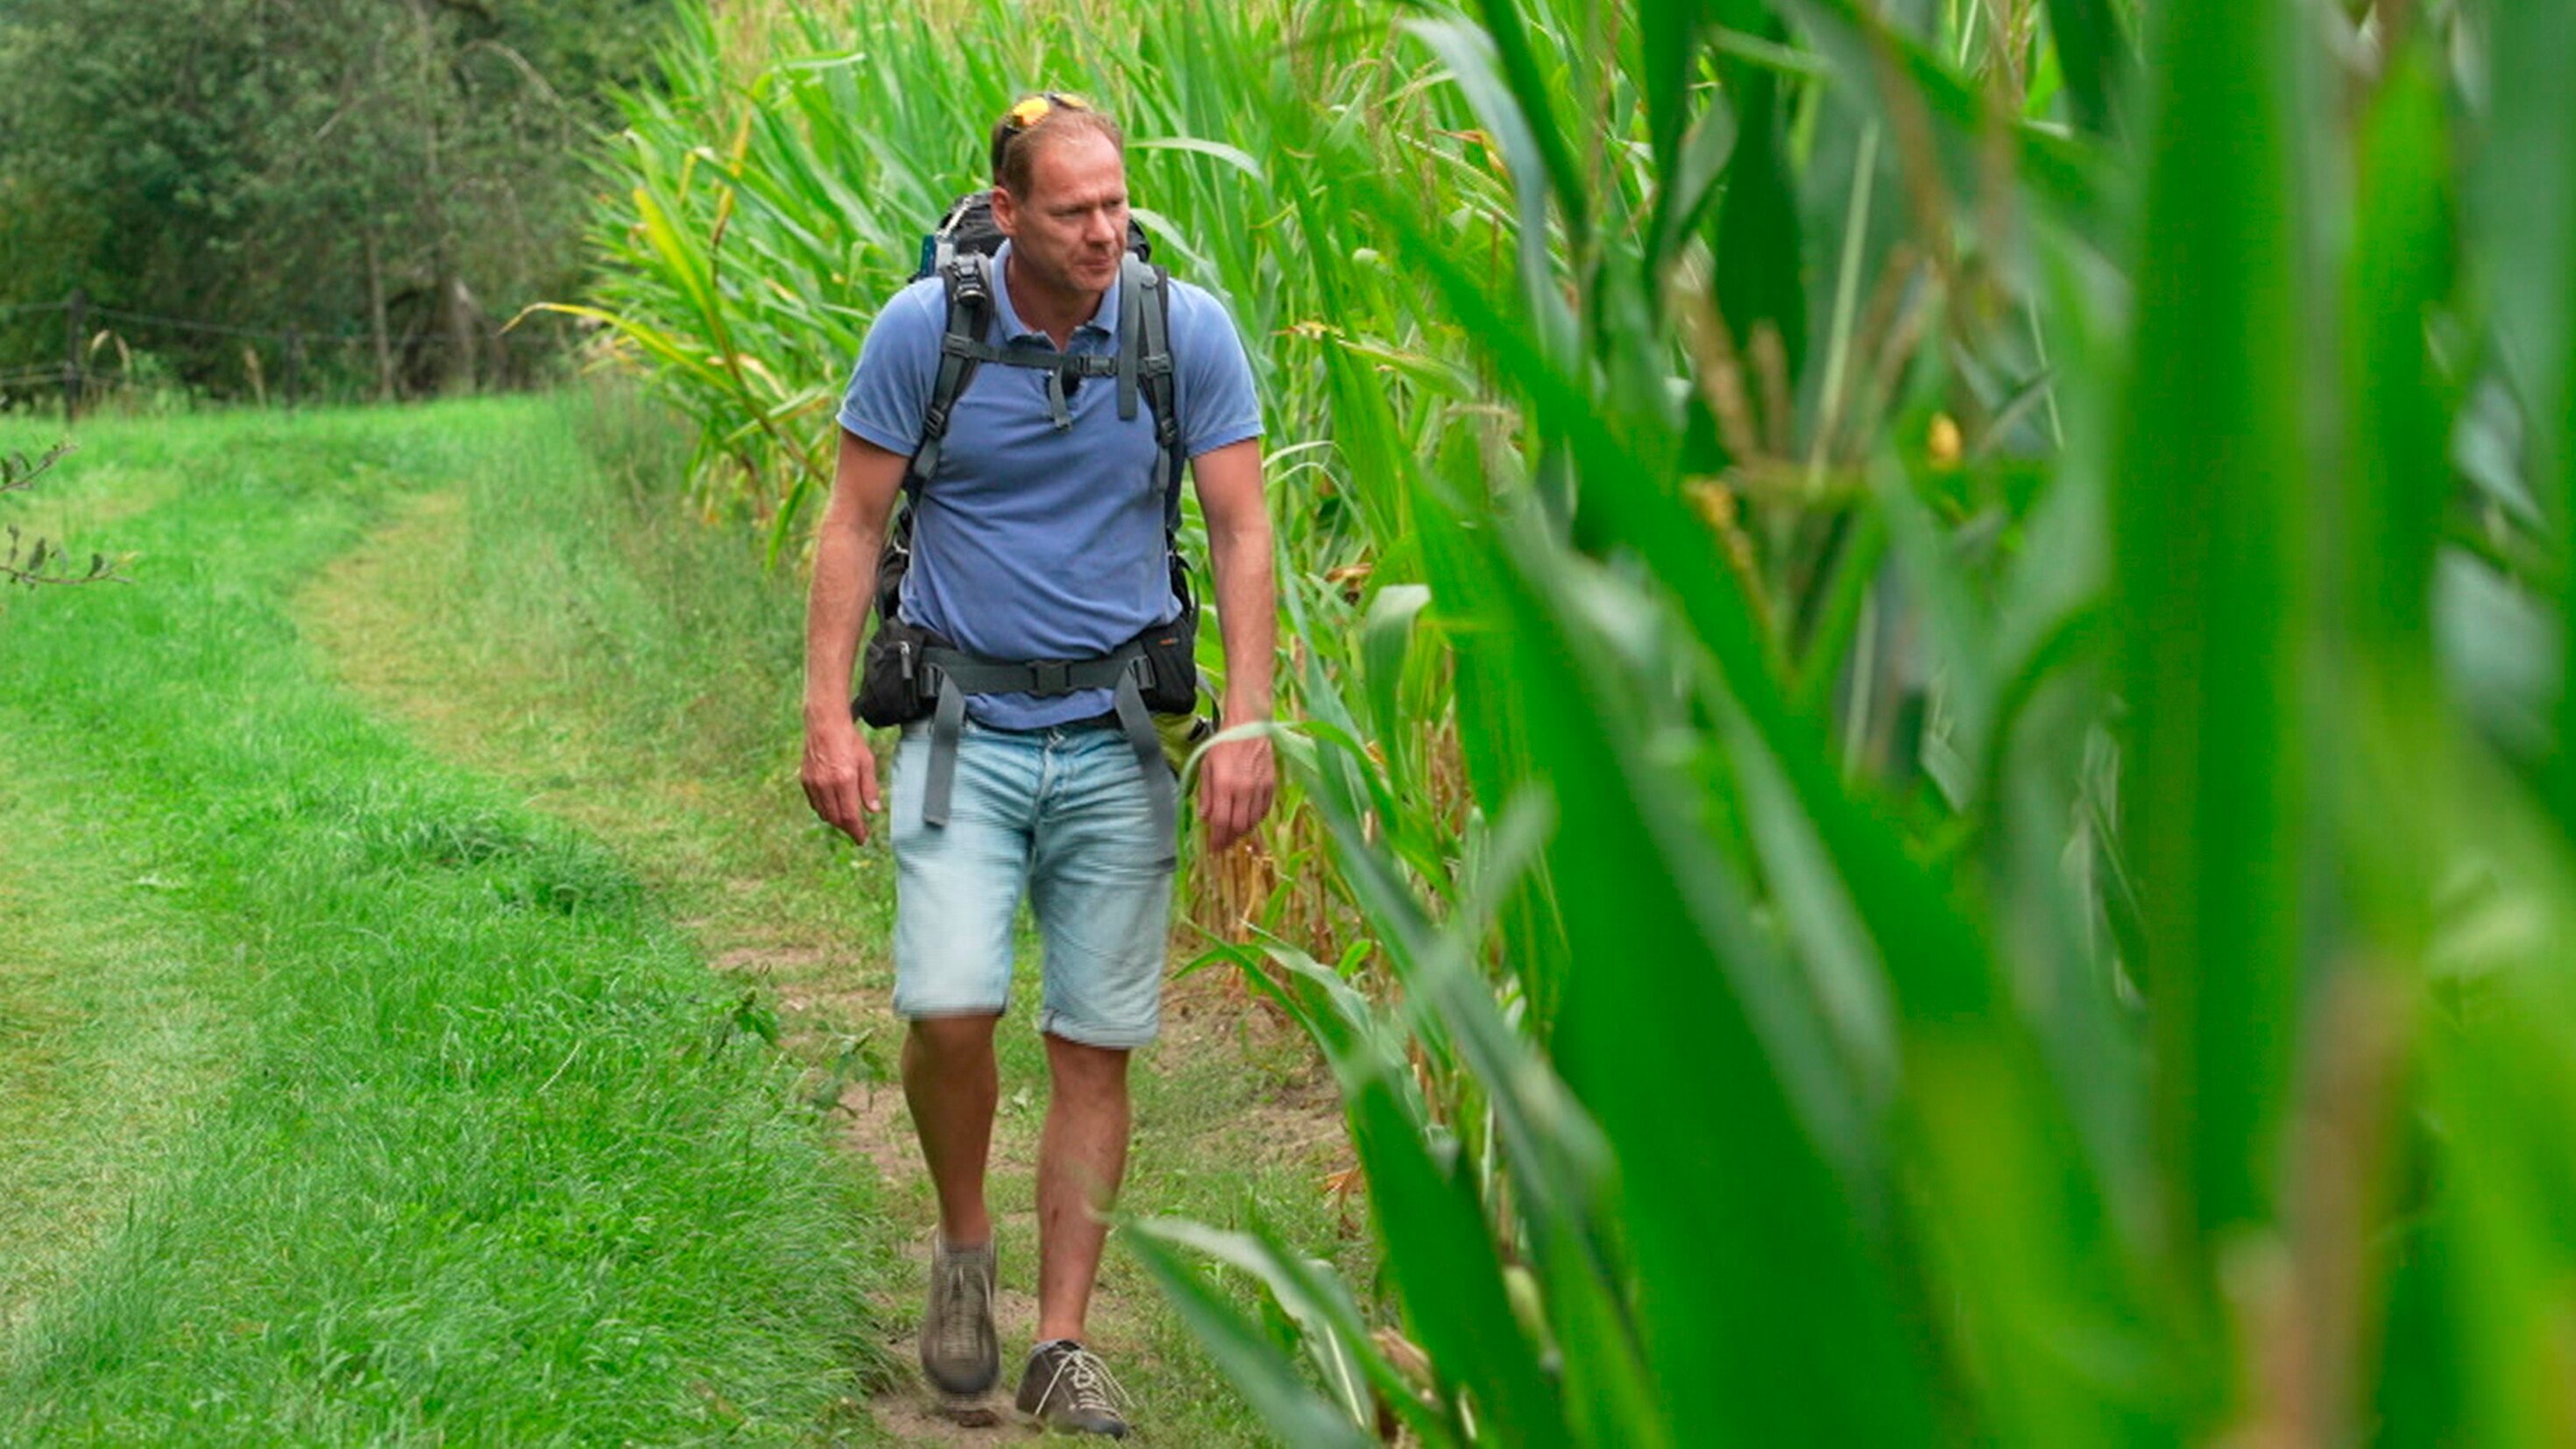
(393, 172)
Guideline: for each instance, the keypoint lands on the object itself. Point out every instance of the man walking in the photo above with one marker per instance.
(1039, 552)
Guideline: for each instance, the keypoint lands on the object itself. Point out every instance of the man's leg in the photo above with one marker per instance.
(949, 1078)
(951, 1084)
(1081, 1157)
(956, 887)
(1101, 881)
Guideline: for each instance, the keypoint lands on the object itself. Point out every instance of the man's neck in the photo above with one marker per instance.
(1043, 309)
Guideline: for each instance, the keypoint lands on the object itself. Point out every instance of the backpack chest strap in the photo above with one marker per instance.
(957, 350)
(1048, 359)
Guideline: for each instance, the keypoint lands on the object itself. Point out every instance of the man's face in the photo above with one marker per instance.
(1072, 225)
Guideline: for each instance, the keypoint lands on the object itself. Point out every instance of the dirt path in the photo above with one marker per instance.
(1230, 1107)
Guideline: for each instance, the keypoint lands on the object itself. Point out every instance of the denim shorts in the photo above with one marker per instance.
(1061, 815)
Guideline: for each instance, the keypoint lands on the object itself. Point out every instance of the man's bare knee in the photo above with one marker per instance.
(1075, 1064)
(942, 1039)
(954, 1033)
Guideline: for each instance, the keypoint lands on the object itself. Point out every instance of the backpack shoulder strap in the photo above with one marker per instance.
(1145, 366)
(967, 279)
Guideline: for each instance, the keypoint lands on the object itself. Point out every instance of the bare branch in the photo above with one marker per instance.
(18, 471)
(39, 561)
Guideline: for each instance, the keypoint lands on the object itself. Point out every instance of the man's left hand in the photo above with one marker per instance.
(1237, 779)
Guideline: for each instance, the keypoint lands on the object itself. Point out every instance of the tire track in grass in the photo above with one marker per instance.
(115, 1028)
(114, 1024)
(497, 1160)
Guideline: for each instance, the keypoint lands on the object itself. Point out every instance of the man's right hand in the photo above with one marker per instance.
(840, 776)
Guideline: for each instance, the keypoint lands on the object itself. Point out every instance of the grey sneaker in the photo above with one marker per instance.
(1068, 1387)
(959, 1353)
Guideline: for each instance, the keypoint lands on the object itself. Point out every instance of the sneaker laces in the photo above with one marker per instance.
(1089, 1381)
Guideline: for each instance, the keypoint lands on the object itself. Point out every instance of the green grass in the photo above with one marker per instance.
(420, 1122)
(113, 1031)
(431, 760)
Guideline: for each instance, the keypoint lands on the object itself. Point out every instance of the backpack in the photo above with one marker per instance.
(908, 672)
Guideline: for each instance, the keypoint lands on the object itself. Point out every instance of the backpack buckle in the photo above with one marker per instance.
(1050, 677)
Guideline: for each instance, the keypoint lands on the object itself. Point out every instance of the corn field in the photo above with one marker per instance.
(1933, 796)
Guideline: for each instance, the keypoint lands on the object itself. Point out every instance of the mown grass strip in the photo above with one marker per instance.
(112, 1029)
(498, 1160)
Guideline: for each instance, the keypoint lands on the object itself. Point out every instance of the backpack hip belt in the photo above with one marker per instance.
(949, 675)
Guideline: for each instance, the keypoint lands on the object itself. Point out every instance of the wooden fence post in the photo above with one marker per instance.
(376, 320)
(75, 332)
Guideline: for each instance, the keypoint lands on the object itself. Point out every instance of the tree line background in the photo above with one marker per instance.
(346, 197)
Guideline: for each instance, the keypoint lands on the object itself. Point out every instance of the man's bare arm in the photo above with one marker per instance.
(840, 773)
(1239, 778)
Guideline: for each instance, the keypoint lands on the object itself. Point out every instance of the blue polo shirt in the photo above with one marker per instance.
(1030, 541)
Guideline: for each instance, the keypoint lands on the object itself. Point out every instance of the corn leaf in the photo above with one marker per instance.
(1267, 1376)
(2210, 567)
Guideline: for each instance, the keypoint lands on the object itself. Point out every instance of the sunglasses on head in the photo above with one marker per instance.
(1037, 108)
(1019, 118)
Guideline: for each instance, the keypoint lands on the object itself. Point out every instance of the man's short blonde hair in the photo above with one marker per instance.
(1041, 120)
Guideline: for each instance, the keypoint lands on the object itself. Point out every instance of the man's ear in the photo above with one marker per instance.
(1006, 213)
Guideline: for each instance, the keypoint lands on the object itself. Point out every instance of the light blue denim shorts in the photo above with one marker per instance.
(1060, 815)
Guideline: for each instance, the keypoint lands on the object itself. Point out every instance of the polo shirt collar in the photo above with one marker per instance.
(1103, 323)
